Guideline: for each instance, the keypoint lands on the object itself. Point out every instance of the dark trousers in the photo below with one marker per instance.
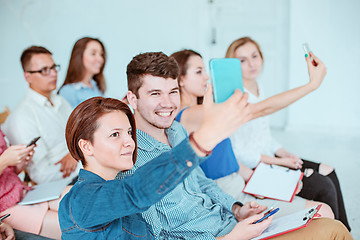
(325, 189)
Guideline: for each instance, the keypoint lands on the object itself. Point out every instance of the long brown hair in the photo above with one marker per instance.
(182, 57)
(83, 122)
(75, 72)
(230, 53)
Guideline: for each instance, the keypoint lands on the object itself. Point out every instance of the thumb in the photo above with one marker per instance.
(254, 218)
(208, 97)
(308, 61)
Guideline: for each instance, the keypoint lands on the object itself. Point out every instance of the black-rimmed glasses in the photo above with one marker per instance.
(45, 71)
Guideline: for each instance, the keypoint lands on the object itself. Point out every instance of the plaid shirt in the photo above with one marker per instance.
(196, 209)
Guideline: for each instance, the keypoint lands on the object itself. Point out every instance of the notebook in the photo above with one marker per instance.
(44, 192)
(289, 223)
(272, 181)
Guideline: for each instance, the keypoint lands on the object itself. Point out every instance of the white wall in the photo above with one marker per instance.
(130, 27)
(125, 27)
(332, 29)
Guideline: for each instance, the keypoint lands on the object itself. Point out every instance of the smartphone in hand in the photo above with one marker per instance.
(226, 76)
(33, 141)
(4, 216)
(267, 215)
(307, 50)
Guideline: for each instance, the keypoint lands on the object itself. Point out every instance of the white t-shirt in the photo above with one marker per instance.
(254, 138)
(33, 117)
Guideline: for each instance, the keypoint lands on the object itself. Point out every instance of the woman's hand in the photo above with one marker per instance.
(292, 162)
(17, 154)
(316, 69)
(6, 232)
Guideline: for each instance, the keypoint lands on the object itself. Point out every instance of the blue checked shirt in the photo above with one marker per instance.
(196, 209)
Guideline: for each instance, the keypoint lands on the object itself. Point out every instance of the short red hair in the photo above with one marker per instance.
(83, 122)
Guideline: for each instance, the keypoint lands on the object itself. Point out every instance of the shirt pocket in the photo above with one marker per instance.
(134, 227)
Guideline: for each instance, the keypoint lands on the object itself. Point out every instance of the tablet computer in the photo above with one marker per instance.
(226, 76)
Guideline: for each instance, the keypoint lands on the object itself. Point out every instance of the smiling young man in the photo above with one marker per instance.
(196, 208)
(42, 113)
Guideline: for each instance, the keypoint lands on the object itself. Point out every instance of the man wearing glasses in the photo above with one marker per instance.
(42, 113)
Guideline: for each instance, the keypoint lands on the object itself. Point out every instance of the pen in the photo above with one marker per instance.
(267, 215)
(3, 217)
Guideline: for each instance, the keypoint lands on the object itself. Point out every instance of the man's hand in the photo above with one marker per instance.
(221, 120)
(6, 232)
(245, 229)
(249, 209)
(68, 165)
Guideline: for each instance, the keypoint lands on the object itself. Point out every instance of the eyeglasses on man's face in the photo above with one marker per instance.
(45, 71)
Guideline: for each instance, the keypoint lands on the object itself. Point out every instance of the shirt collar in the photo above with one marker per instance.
(40, 99)
(85, 175)
(148, 143)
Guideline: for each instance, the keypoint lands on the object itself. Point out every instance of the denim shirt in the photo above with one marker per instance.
(196, 209)
(76, 93)
(98, 209)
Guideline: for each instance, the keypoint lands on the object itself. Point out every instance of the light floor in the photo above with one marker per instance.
(340, 151)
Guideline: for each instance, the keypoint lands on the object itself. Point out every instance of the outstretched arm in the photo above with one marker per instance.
(282, 100)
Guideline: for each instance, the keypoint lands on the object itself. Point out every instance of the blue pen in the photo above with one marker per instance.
(267, 215)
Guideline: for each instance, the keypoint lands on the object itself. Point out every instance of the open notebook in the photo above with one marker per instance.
(275, 182)
(44, 192)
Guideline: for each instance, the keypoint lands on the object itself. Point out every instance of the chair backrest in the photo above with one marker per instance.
(4, 115)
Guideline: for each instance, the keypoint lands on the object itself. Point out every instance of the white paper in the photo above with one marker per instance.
(273, 181)
(287, 223)
(44, 192)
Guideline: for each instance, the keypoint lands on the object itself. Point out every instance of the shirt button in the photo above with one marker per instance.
(189, 164)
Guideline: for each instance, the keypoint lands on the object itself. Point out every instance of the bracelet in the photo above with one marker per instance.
(192, 139)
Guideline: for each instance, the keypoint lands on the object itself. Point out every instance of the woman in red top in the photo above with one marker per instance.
(41, 218)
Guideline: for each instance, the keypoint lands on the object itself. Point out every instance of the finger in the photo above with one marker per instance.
(254, 218)
(244, 98)
(57, 162)
(254, 204)
(30, 147)
(208, 97)
(308, 61)
(66, 173)
(317, 60)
